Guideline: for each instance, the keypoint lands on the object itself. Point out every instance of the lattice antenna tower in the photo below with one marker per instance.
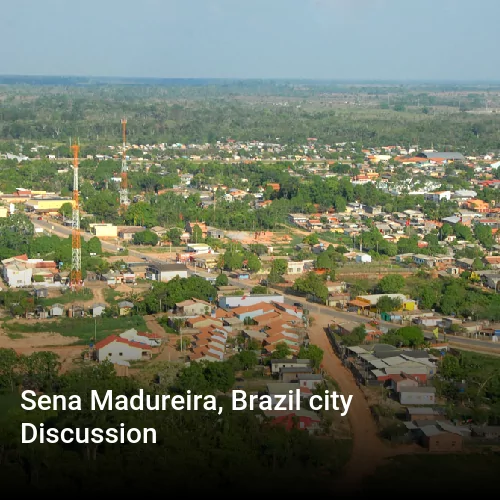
(124, 200)
(76, 247)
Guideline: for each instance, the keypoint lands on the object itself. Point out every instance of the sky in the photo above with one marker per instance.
(310, 39)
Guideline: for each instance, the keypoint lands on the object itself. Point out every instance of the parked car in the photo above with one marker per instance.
(298, 305)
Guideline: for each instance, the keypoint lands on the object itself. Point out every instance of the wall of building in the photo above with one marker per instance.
(112, 352)
(416, 398)
(249, 300)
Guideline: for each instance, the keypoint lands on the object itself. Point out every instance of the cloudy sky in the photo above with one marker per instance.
(316, 39)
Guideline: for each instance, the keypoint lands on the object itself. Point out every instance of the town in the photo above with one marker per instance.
(273, 271)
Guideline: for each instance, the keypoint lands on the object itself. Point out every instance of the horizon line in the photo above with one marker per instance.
(268, 79)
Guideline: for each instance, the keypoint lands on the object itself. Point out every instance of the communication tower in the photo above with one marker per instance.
(76, 248)
(124, 201)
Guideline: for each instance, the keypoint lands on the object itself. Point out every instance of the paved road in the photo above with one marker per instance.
(335, 315)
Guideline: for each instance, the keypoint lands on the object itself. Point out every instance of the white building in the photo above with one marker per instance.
(363, 258)
(98, 309)
(115, 349)
(438, 196)
(198, 248)
(248, 300)
(166, 272)
(17, 273)
(133, 335)
(296, 267)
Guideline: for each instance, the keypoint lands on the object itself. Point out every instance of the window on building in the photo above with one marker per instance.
(120, 354)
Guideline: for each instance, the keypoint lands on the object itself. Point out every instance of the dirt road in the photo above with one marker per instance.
(368, 449)
(168, 350)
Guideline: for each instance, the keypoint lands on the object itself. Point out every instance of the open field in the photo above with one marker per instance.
(78, 330)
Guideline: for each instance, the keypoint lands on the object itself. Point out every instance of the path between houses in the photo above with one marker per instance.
(369, 452)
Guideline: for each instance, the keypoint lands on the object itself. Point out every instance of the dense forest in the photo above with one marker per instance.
(199, 111)
(195, 451)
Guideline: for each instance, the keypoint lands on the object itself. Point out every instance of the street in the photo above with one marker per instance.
(332, 314)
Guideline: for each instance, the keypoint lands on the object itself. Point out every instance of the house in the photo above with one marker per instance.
(290, 374)
(276, 390)
(189, 228)
(399, 382)
(486, 431)
(299, 219)
(127, 233)
(232, 301)
(115, 349)
(46, 204)
(104, 230)
(309, 380)
(159, 231)
(215, 233)
(125, 307)
(278, 364)
(446, 156)
(16, 272)
(42, 292)
(198, 248)
(76, 311)
(417, 396)
(151, 339)
(166, 272)
(436, 439)
(56, 310)
(97, 309)
(193, 307)
(208, 261)
(295, 267)
(363, 258)
(422, 413)
(297, 419)
(369, 302)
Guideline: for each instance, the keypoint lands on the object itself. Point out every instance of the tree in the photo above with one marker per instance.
(259, 290)
(174, 235)
(279, 267)
(197, 234)
(253, 263)
(311, 239)
(282, 351)
(412, 335)
(9, 370)
(450, 367)
(314, 353)
(146, 237)
(312, 284)
(94, 245)
(221, 280)
(484, 235)
(66, 210)
(391, 283)
(446, 230)
(245, 360)
(357, 336)
(463, 232)
(389, 304)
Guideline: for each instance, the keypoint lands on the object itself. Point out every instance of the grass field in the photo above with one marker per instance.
(66, 298)
(83, 328)
(111, 296)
